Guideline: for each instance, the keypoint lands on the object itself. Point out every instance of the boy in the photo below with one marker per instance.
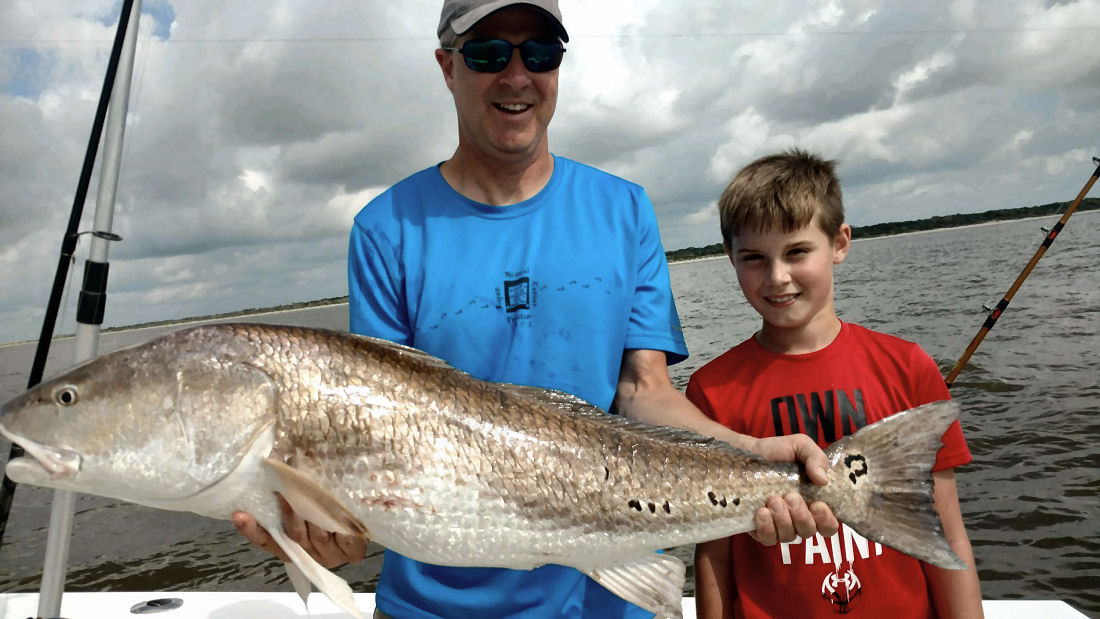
(807, 371)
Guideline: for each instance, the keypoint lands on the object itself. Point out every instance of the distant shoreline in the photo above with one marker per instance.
(887, 236)
(671, 256)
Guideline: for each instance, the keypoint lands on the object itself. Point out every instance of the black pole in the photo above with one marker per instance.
(68, 246)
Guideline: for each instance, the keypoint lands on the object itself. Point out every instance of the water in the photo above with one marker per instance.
(1030, 396)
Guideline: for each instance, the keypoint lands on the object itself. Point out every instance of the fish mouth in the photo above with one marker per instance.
(40, 461)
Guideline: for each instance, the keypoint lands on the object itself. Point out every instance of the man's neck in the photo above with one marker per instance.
(497, 182)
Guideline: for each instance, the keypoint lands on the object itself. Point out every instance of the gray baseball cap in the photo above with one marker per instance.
(461, 15)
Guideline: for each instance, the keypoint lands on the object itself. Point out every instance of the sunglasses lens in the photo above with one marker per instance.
(492, 55)
(487, 55)
(540, 57)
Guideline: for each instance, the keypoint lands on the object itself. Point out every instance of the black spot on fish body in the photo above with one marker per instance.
(714, 500)
(667, 508)
(850, 460)
(652, 508)
(606, 473)
(636, 504)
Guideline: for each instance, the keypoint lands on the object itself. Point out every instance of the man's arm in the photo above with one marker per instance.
(955, 593)
(645, 393)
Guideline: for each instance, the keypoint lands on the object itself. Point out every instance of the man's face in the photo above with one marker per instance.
(503, 115)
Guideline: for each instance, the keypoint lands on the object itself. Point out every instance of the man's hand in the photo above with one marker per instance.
(784, 518)
(327, 548)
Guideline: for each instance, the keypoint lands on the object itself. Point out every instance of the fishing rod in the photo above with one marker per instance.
(997, 311)
(68, 246)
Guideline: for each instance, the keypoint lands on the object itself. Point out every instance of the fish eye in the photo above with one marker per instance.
(66, 396)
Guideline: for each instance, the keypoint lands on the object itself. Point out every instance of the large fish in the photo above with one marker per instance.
(368, 437)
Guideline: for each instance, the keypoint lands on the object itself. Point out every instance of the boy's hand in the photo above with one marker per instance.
(327, 548)
(787, 517)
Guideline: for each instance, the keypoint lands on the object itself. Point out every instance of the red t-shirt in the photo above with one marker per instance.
(858, 379)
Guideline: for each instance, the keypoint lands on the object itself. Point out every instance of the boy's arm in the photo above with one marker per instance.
(645, 393)
(714, 588)
(955, 593)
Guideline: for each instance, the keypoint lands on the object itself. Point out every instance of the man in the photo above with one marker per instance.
(519, 266)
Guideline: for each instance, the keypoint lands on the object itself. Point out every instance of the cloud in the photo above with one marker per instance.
(256, 131)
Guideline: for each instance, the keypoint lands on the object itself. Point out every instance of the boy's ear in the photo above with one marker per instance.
(729, 252)
(841, 243)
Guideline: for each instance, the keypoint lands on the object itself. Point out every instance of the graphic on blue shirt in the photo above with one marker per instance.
(517, 293)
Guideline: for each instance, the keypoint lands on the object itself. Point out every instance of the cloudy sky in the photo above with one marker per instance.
(257, 129)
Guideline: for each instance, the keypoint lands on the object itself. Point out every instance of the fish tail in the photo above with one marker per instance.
(881, 484)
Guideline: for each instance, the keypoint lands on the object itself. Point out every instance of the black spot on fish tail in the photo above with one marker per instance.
(850, 460)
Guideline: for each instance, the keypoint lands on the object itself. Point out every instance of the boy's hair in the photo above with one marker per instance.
(782, 191)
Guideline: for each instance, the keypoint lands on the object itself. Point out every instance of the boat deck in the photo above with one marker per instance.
(227, 605)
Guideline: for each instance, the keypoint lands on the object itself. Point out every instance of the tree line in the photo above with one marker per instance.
(919, 225)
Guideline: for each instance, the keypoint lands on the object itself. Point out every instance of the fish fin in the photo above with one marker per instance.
(313, 502)
(334, 587)
(576, 407)
(889, 463)
(300, 581)
(400, 349)
(655, 583)
(670, 434)
(566, 402)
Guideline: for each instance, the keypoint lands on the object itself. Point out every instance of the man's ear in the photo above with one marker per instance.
(447, 65)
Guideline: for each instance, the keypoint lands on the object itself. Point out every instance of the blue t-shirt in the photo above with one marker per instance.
(547, 292)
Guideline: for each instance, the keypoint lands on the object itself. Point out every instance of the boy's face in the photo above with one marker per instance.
(787, 277)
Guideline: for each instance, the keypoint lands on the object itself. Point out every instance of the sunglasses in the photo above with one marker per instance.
(492, 55)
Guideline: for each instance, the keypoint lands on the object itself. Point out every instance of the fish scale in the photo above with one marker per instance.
(368, 437)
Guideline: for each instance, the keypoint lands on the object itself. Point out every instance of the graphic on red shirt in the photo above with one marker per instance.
(835, 559)
(841, 587)
(824, 417)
